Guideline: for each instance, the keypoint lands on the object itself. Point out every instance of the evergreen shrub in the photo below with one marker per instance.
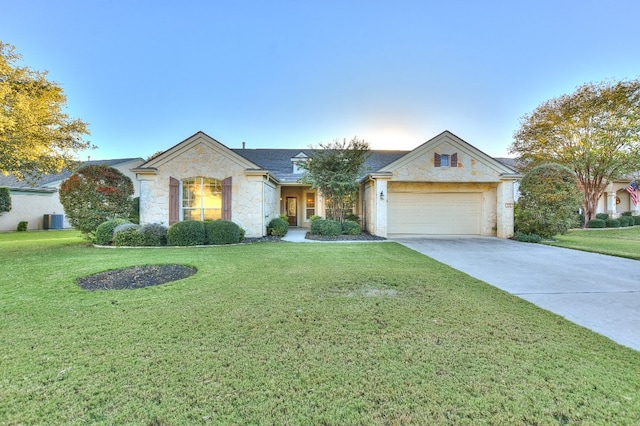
(350, 227)
(128, 234)
(596, 223)
(278, 227)
(612, 223)
(222, 232)
(104, 232)
(153, 234)
(22, 226)
(186, 233)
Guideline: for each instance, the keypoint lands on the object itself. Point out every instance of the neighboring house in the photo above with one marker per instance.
(445, 186)
(32, 200)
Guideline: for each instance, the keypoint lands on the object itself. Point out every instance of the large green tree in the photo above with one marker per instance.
(36, 135)
(594, 131)
(334, 169)
(94, 195)
(548, 202)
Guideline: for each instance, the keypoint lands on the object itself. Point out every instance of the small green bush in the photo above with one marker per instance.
(351, 227)
(636, 220)
(222, 232)
(278, 227)
(314, 218)
(596, 223)
(128, 234)
(22, 226)
(186, 233)
(326, 227)
(612, 223)
(527, 238)
(627, 213)
(624, 221)
(104, 231)
(153, 234)
(603, 216)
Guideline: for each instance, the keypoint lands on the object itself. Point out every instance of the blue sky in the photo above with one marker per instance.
(289, 74)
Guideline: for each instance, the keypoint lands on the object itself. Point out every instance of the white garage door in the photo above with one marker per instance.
(434, 213)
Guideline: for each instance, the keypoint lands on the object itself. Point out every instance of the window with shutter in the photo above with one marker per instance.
(436, 160)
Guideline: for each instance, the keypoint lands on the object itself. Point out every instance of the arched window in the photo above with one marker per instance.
(201, 198)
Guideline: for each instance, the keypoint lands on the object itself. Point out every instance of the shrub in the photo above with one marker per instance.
(603, 216)
(128, 235)
(278, 227)
(527, 238)
(326, 227)
(351, 227)
(5, 200)
(104, 232)
(186, 233)
(624, 221)
(612, 223)
(153, 234)
(627, 214)
(636, 220)
(95, 194)
(596, 223)
(222, 232)
(22, 226)
(352, 217)
(314, 218)
(549, 199)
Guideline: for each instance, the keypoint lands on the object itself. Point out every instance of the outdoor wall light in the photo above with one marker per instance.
(382, 195)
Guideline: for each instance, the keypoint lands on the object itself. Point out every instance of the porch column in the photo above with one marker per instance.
(381, 199)
(504, 211)
(611, 200)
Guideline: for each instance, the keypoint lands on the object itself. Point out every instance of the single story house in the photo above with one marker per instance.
(31, 201)
(444, 186)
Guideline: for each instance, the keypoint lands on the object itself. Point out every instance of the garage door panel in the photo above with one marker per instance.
(434, 213)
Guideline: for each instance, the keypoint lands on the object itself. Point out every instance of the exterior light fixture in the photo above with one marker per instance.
(382, 195)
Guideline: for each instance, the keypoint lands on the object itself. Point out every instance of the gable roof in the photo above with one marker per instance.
(46, 182)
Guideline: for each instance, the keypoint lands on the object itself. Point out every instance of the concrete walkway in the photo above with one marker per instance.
(596, 291)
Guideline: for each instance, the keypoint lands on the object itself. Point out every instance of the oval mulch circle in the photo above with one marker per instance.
(135, 277)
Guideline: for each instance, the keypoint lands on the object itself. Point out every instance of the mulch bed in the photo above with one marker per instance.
(362, 237)
(135, 277)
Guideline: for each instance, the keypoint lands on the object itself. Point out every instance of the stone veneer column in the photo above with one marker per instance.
(504, 211)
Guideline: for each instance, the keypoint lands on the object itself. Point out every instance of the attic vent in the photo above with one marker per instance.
(301, 157)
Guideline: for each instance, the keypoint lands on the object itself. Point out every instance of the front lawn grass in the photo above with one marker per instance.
(291, 333)
(622, 242)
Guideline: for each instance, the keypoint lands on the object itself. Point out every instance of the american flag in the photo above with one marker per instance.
(632, 189)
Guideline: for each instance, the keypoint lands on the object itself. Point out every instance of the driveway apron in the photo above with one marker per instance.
(596, 291)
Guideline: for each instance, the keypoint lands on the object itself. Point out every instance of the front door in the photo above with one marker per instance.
(292, 211)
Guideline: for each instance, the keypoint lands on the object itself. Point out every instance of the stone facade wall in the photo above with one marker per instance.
(201, 159)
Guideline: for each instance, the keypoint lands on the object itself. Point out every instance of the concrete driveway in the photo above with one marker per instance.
(599, 292)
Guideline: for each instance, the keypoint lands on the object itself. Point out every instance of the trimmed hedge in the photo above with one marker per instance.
(603, 216)
(186, 233)
(153, 234)
(326, 227)
(624, 221)
(596, 223)
(278, 227)
(612, 223)
(222, 232)
(128, 234)
(104, 231)
(636, 220)
(22, 226)
(350, 227)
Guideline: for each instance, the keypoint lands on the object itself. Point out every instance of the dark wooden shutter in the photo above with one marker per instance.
(436, 160)
(226, 198)
(454, 160)
(174, 200)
